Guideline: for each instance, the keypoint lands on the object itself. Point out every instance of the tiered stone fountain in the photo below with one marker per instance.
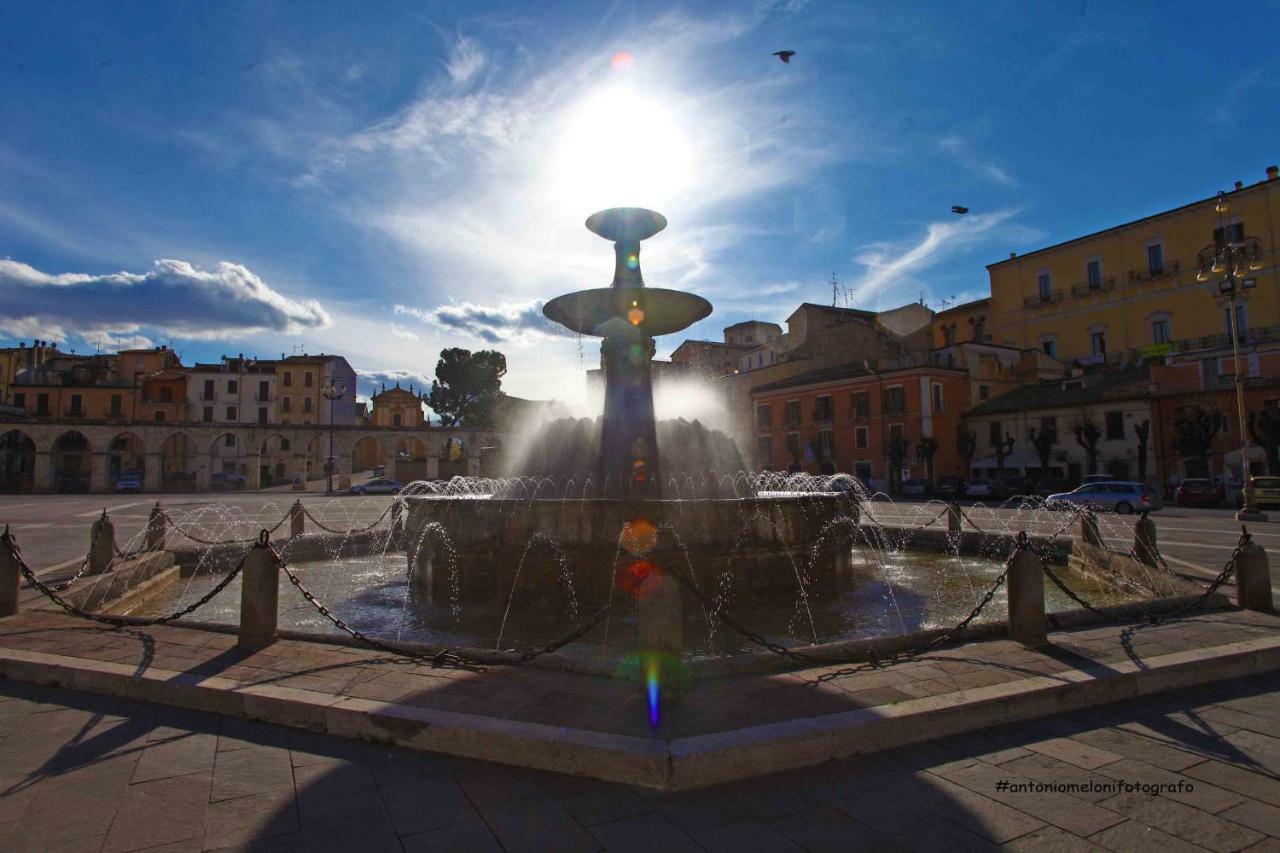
(620, 527)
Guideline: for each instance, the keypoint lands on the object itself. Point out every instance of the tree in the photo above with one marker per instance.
(1194, 428)
(925, 451)
(1264, 426)
(1143, 432)
(897, 455)
(467, 387)
(1088, 434)
(967, 445)
(1003, 448)
(1043, 441)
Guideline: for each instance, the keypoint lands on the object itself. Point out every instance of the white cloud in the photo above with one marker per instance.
(965, 156)
(173, 297)
(401, 332)
(465, 61)
(513, 322)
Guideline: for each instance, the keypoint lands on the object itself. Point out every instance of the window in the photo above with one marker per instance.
(286, 403)
(994, 434)
(231, 413)
(793, 413)
(793, 446)
(1044, 284)
(1098, 341)
(764, 450)
(308, 379)
(861, 405)
(826, 445)
(117, 404)
(1050, 347)
(979, 328)
(1093, 274)
(1160, 331)
(860, 438)
(822, 408)
(764, 417)
(208, 414)
(984, 392)
(228, 440)
(159, 417)
(42, 404)
(264, 391)
(895, 432)
(20, 400)
(748, 339)
(937, 396)
(77, 405)
(1115, 426)
(1232, 233)
(306, 404)
(1241, 324)
(166, 395)
(262, 414)
(233, 386)
(895, 400)
(288, 378)
(284, 444)
(1155, 259)
(208, 390)
(395, 419)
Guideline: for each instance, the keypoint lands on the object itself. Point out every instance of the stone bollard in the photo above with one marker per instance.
(259, 597)
(296, 519)
(1089, 531)
(9, 575)
(102, 545)
(1026, 598)
(661, 620)
(157, 527)
(1144, 541)
(1253, 578)
(955, 524)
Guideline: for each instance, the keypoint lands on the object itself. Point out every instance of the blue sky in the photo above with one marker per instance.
(382, 180)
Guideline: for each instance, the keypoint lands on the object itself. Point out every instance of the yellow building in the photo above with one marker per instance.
(1131, 291)
(396, 407)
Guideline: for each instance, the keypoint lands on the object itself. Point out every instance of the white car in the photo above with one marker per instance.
(978, 488)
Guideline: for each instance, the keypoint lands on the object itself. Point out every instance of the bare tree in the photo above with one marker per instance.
(1264, 427)
(1143, 432)
(1087, 432)
(1194, 428)
(967, 444)
(1043, 441)
(925, 451)
(897, 455)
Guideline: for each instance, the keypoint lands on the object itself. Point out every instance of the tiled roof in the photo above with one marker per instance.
(1126, 383)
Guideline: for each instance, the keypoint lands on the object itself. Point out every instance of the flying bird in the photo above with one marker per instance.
(784, 55)
(955, 208)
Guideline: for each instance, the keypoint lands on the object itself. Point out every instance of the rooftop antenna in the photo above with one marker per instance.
(835, 289)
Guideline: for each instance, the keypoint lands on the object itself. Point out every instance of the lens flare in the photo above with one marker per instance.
(622, 61)
(639, 579)
(652, 687)
(633, 263)
(639, 536)
(636, 316)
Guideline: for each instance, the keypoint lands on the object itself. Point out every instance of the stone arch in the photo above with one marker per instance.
(228, 460)
(454, 450)
(126, 452)
(17, 461)
(275, 463)
(71, 462)
(366, 453)
(177, 463)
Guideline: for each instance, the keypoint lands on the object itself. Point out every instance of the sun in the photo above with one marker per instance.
(621, 148)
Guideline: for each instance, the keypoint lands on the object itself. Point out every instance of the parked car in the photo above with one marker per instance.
(946, 487)
(129, 481)
(379, 470)
(1047, 487)
(379, 486)
(1266, 492)
(1097, 478)
(915, 486)
(1010, 487)
(978, 488)
(1120, 496)
(1199, 491)
(226, 481)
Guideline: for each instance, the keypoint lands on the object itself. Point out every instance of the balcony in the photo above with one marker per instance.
(1263, 335)
(1170, 268)
(1084, 288)
(1042, 299)
(264, 398)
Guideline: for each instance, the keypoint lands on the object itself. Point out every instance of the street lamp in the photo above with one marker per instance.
(333, 393)
(1229, 258)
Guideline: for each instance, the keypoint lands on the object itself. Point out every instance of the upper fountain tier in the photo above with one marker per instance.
(627, 308)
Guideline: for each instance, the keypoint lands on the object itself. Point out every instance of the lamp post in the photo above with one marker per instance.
(1229, 258)
(333, 393)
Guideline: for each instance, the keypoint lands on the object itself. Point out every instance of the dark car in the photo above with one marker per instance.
(1198, 491)
(226, 481)
(1047, 487)
(947, 487)
(378, 487)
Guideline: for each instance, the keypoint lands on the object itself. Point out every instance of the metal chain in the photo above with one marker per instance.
(7, 541)
(250, 540)
(364, 529)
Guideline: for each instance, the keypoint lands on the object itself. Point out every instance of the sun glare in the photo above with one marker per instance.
(622, 148)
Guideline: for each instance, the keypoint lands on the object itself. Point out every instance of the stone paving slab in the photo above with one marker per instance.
(725, 729)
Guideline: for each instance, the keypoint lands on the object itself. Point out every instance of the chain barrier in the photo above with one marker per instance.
(8, 543)
(250, 540)
(348, 532)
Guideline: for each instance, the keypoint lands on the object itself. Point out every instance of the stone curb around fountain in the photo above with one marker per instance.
(680, 764)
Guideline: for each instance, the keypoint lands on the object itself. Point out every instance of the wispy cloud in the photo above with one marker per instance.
(173, 297)
(963, 153)
(892, 267)
(506, 322)
(465, 60)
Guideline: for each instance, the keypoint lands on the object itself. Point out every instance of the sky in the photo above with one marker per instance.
(384, 180)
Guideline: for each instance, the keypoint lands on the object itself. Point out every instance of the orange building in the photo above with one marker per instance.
(397, 407)
(849, 418)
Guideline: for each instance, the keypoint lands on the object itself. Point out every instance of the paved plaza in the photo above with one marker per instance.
(1191, 770)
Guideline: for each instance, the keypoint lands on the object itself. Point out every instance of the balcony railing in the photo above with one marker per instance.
(1042, 299)
(1170, 268)
(1084, 288)
(1263, 335)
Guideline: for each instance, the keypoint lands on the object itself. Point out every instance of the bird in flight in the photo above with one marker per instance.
(785, 55)
(955, 208)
